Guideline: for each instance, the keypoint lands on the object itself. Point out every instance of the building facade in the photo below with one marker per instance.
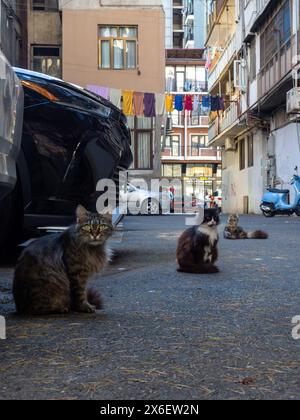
(11, 30)
(254, 47)
(185, 23)
(119, 45)
(44, 39)
(185, 151)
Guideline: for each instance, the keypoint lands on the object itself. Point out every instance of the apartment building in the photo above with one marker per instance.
(185, 150)
(44, 37)
(11, 30)
(119, 44)
(185, 23)
(254, 47)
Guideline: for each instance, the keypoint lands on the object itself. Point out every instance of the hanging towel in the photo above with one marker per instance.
(160, 104)
(128, 102)
(149, 105)
(215, 103)
(99, 90)
(169, 103)
(221, 104)
(196, 105)
(138, 104)
(188, 105)
(205, 101)
(179, 103)
(115, 97)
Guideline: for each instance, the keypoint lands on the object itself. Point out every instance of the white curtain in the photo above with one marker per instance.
(118, 54)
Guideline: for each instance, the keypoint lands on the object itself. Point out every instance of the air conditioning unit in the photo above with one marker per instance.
(230, 145)
(293, 101)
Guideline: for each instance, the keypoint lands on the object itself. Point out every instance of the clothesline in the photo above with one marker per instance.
(152, 105)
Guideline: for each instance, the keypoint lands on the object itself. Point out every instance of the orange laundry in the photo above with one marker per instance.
(138, 104)
(128, 102)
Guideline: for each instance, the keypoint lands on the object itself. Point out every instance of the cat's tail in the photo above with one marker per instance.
(258, 234)
(199, 269)
(94, 298)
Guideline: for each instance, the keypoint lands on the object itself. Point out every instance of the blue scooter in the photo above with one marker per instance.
(276, 201)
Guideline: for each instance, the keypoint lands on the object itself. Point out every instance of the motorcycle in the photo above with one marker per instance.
(276, 201)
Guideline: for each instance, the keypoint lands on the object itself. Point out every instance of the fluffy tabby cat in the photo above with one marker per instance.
(234, 231)
(52, 274)
(197, 250)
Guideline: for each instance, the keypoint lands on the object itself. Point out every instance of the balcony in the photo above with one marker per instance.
(179, 119)
(222, 63)
(277, 68)
(217, 7)
(182, 153)
(261, 7)
(225, 125)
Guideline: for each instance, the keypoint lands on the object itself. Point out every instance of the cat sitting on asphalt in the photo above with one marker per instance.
(197, 250)
(52, 273)
(234, 231)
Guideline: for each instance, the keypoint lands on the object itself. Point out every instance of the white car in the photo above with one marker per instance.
(143, 202)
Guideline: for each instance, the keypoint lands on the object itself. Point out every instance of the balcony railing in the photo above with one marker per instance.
(222, 63)
(190, 153)
(215, 12)
(179, 120)
(222, 123)
(277, 68)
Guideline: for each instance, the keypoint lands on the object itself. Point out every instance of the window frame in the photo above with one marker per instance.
(266, 55)
(58, 57)
(44, 6)
(242, 154)
(135, 132)
(199, 147)
(250, 141)
(111, 40)
(172, 142)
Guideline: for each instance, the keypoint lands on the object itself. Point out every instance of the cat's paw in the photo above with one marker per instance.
(85, 308)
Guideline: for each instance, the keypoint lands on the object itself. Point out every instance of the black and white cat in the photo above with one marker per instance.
(197, 250)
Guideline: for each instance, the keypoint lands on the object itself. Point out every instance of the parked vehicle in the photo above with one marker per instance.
(276, 201)
(142, 201)
(71, 139)
(11, 120)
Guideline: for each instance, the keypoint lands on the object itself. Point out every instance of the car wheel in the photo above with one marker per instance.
(11, 221)
(150, 207)
(298, 210)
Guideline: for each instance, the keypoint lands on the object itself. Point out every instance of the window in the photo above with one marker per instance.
(45, 5)
(172, 146)
(250, 151)
(276, 34)
(186, 79)
(242, 153)
(46, 59)
(171, 171)
(198, 142)
(252, 54)
(118, 47)
(142, 130)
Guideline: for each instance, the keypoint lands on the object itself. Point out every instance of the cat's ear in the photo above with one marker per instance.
(81, 213)
(108, 218)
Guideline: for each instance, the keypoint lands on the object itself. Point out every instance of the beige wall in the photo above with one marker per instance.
(44, 28)
(80, 48)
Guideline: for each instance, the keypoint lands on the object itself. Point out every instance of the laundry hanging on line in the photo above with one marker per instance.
(158, 104)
